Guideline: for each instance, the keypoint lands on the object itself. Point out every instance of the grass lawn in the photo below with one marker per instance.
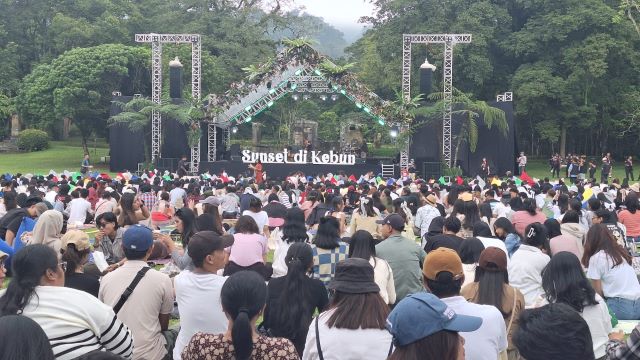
(540, 169)
(61, 155)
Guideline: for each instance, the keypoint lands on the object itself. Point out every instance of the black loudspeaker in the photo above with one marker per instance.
(236, 158)
(234, 150)
(431, 170)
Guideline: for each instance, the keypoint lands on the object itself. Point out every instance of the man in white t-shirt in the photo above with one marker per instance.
(443, 276)
(200, 289)
(177, 195)
(79, 207)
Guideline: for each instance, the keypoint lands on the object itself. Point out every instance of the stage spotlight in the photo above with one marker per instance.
(323, 97)
(334, 97)
(394, 131)
(234, 129)
(295, 97)
(305, 97)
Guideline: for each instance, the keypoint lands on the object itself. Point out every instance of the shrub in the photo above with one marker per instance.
(33, 140)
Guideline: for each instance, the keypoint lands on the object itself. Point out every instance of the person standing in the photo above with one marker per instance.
(606, 169)
(85, 166)
(555, 166)
(257, 172)
(628, 168)
(592, 169)
(522, 162)
(485, 170)
(182, 166)
(403, 255)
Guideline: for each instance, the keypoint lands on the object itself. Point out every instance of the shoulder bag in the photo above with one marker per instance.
(129, 290)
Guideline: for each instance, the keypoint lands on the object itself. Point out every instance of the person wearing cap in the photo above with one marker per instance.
(354, 325)
(403, 255)
(210, 218)
(75, 322)
(443, 276)
(491, 287)
(200, 288)
(437, 336)
(426, 214)
(75, 252)
(10, 223)
(554, 332)
(148, 309)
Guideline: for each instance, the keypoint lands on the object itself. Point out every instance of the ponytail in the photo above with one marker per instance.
(73, 257)
(29, 265)
(243, 296)
(242, 335)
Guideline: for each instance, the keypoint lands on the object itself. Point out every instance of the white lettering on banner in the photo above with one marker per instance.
(300, 157)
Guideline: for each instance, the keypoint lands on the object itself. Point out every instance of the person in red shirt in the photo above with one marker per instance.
(257, 171)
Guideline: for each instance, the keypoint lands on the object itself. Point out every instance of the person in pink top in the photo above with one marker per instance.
(249, 249)
(630, 217)
(529, 214)
(559, 242)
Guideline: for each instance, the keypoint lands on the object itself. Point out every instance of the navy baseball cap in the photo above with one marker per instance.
(395, 220)
(137, 238)
(422, 314)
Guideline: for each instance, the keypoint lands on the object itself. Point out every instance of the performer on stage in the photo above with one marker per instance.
(628, 168)
(257, 171)
(485, 170)
(182, 166)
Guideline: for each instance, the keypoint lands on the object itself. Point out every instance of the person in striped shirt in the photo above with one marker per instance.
(75, 322)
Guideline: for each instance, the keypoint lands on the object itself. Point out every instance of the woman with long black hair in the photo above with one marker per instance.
(611, 273)
(293, 231)
(131, 210)
(185, 220)
(328, 249)
(75, 322)
(243, 298)
(22, 338)
(354, 325)
(294, 298)
(362, 245)
(491, 287)
(563, 281)
(504, 230)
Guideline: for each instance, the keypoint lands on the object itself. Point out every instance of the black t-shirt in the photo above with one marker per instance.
(83, 282)
(318, 294)
(445, 240)
(11, 221)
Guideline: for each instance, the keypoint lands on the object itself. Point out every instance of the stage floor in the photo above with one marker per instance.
(281, 171)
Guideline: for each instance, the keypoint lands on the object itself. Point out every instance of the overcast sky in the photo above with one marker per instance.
(342, 14)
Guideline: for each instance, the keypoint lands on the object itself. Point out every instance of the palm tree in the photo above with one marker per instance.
(472, 111)
(137, 113)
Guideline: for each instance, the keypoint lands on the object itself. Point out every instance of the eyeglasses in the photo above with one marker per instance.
(63, 265)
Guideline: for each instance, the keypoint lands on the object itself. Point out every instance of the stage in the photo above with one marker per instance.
(281, 171)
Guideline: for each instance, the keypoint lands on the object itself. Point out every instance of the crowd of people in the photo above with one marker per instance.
(325, 267)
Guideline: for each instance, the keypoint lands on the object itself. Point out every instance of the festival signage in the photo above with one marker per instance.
(300, 157)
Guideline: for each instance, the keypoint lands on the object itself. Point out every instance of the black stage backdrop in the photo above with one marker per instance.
(281, 171)
(500, 151)
(127, 148)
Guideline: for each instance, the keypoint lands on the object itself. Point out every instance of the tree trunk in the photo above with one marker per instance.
(563, 140)
(85, 147)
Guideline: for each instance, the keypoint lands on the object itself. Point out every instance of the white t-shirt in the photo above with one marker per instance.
(175, 194)
(195, 293)
(261, 218)
(525, 272)
(490, 339)
(383, 277)
(341, 344)
(620, 281)
(78, 209)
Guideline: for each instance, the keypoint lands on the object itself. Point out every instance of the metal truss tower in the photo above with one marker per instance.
(449, 40)
(156, 41)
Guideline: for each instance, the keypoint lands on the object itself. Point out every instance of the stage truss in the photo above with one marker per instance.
(294, 80)
(156, 41)
(449, 40)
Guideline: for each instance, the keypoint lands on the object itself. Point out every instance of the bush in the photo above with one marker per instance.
(33, 140)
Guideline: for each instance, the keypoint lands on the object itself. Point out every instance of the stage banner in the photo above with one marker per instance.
(299, 157)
